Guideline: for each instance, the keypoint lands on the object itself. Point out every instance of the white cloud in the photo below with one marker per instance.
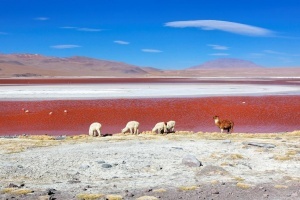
(41, 18)
(274, 52)
(232, 27)
(82, 29)
(68, 27)
(121, 42)
(219, 54)
(218, 47)
(151, 50)
(65, 46)
(89, 29)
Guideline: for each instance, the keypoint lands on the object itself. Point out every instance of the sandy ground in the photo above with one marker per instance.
(132, 167)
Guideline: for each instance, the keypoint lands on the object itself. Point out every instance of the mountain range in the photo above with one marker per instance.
(35, 65)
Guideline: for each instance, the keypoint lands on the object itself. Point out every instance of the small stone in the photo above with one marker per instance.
(191, 161)
(51, 191)
(295, 194)
(84, 166)
(100, 161)
(11, 185)
(123, 162)
(226, 141)
(106, 165)
(265, 195)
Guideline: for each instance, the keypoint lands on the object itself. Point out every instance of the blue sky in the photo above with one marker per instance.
(166, 34)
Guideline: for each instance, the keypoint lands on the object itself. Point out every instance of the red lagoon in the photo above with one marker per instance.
(253, 114)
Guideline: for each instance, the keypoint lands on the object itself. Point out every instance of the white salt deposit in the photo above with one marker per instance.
(151, 90)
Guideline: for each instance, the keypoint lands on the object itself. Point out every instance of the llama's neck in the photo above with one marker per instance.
(217, 121)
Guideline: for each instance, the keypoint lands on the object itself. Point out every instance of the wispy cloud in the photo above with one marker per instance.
(219, 54)
(274, 52)
(3, 33)
(151, 50)
(82, 29)
(41, 18)
(218, 47)
(65, 46)
(232, 27)
(89, 29)
(68, 27)
(121, 42)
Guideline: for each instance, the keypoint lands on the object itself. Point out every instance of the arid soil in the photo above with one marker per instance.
(147, 166)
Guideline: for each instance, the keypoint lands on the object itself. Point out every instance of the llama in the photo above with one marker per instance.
(160, 127)
(95, 129)
(132, 126)
(224, 124)
(170, 126)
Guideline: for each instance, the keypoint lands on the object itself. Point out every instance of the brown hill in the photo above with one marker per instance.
(27, 65)
(226, 63)
(34, 65)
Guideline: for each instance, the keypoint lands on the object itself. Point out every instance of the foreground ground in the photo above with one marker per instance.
(147, 166)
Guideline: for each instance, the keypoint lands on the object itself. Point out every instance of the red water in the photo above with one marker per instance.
(255, 115)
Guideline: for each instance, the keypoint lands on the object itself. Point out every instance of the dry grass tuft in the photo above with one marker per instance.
(243, 185)
(113, 197)
(20, 145)
(90, 196)
(188, 188)
(235, 156)
(282, 158)
(238, 178)
(16, 191)
(161, 190)
(280, 186)
(147, 198)
(78, 137)
(38, 137)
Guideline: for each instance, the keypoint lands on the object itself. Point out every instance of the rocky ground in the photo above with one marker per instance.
(182, 165)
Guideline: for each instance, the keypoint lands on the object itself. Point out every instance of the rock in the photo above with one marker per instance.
(51, 191)
(265, 145)
(46, 197)
(177, 148)
(100, 161)
(11, 185)
(106, 165)
(191, 161)
(226, 141)
(211, 170)
(84, 166)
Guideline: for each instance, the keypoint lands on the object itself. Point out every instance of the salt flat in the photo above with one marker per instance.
(130, 90)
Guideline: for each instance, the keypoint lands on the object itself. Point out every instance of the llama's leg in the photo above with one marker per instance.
(99, 132)
(130, 130)
(137, 131)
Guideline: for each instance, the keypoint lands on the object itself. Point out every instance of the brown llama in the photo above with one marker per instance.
(224, 124)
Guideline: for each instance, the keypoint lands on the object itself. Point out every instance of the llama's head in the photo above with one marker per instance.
(216, 118)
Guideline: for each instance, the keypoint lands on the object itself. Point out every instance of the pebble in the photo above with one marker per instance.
(106, 165)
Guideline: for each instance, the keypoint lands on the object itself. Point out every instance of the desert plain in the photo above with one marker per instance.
(46, 153)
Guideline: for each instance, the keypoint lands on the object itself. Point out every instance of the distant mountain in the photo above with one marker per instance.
(26, 65)
(226, 63)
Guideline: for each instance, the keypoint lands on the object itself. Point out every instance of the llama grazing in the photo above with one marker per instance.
(224, 124)
(160, 127)
(132, 126)
(170, 126)
(95, 129)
